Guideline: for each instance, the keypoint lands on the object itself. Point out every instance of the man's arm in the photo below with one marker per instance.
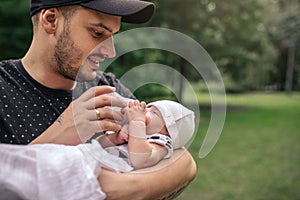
(163, 181)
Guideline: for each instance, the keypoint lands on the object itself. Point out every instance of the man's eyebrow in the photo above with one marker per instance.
(103, 26)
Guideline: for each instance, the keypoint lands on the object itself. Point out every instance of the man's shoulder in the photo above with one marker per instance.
(9, 68)
(104, 78)
(5, 63)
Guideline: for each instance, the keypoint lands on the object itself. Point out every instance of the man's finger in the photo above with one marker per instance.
(107, 125)
(96, 127)
(105, 113)
(96, 91)
(106, 100)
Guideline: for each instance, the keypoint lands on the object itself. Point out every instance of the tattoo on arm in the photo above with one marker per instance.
(60, 119)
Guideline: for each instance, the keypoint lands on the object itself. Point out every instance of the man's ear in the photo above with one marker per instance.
(49, 20)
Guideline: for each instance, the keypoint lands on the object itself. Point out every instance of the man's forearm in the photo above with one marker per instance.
(163, 181)
(170, 181)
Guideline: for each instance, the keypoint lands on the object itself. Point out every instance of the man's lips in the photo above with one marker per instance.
(94, 61)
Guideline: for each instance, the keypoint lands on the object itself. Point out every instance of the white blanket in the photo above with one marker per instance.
(49, 171)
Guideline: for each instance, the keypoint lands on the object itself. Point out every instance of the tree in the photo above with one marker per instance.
(240, 43)
(285, 31)
(234, 34)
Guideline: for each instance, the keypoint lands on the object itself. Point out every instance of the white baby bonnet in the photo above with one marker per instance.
(178, 119)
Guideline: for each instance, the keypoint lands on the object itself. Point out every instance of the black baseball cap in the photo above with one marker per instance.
(131, 11)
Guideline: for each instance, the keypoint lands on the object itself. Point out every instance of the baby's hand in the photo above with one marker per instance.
(120, 137)
(136, 111)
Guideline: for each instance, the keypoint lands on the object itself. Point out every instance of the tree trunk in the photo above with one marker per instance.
(182, 73)
(290, 68)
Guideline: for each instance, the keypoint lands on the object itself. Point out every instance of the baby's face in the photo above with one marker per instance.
(154, 121)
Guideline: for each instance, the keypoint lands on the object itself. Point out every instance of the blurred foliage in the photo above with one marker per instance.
(15, 28)
(247, 41)
(233, 34)
(154, 92)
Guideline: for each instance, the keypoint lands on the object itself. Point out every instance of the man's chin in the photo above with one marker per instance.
(86, 77)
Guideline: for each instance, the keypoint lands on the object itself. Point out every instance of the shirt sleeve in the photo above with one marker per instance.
(46, 171)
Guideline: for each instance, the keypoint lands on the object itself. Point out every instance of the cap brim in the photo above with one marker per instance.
(131, 11)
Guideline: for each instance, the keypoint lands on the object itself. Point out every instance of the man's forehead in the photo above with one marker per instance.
(109, 22)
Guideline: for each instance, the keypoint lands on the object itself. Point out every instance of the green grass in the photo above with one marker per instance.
(257, 155)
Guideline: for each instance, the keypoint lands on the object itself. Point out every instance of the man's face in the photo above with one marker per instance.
(85, 42)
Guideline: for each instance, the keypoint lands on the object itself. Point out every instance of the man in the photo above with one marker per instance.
(37, 103)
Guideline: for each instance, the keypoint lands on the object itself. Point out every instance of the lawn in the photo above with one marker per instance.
(257, 155)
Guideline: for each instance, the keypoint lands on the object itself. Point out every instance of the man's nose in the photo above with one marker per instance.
(108, 48)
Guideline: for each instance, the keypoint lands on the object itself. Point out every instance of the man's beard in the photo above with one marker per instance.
(67, 55)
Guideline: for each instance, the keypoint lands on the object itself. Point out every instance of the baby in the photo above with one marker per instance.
(151, 134)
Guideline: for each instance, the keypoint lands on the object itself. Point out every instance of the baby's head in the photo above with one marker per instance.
(178, 119)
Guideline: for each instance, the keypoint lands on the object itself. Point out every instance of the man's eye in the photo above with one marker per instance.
(97, 33)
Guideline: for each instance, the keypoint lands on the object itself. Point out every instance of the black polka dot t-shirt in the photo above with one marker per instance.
(29, 108)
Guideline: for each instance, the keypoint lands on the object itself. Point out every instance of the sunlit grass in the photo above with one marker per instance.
(257, 155)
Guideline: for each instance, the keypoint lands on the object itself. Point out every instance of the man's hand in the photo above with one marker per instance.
(80, 121)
